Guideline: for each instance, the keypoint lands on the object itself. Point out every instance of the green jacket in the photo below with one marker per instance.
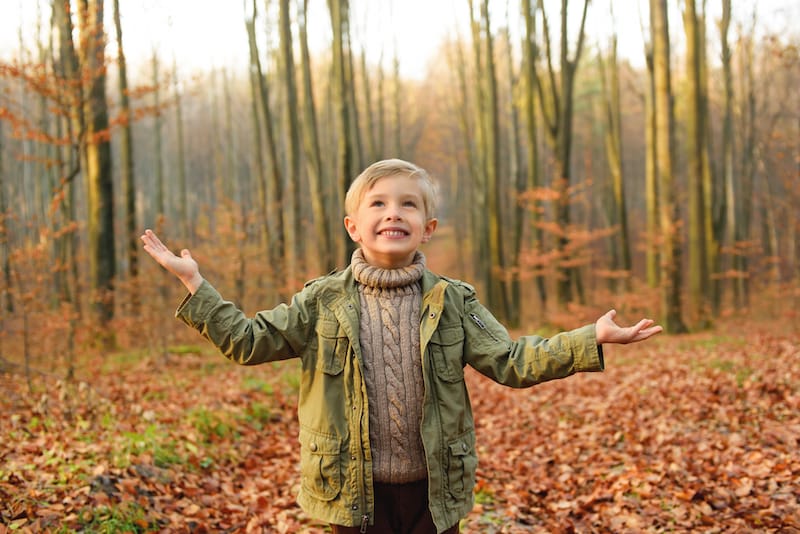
(320, 327)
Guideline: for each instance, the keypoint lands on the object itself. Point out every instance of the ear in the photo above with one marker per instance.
(352, 228)
(430, 227)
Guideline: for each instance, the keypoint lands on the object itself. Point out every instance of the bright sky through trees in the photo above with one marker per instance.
(210, 33)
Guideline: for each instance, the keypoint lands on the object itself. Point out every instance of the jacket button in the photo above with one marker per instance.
(355, 507)
(313, 447)
(353, 457)
(432, 315)
(464, 447)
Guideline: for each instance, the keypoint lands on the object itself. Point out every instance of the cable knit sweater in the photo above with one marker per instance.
(389, 337)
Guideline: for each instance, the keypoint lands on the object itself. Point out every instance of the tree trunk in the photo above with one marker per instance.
(463, 191)
(698, 268)
(652, 256)
(313, 162)
(272, 187)
(71, 127)
(481, 206)
(621, 255)
(727, 170)
(344, 153)
(558, 120)
(183, 195)
(352, 100)
(369, 122)
(102, 264)
(397, 122)
(6, 302)
(713, 191)
(296, 264)
(502, 305)
(517, 186)
(670, 256)
(127, 177)
(533, 180)
(158, 146)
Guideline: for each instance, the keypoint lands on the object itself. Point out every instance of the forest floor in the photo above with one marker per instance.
(691, 433)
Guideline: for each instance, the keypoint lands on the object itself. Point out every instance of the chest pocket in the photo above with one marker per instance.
(332, 346)
(446, 350)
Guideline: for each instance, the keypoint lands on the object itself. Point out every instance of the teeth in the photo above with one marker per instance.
(393, 233)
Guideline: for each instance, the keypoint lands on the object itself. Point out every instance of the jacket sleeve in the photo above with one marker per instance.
(528, 360)
(270, 335)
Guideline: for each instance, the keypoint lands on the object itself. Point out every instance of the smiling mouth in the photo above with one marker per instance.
(393, 233)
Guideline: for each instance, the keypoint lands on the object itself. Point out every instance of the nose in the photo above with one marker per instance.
(393, 213)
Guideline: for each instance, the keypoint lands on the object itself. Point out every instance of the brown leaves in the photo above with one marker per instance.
(695, 433)
(692, 433)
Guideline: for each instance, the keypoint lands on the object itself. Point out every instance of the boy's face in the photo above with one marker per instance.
(390, 222)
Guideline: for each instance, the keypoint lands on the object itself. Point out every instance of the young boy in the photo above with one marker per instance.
(387, 439)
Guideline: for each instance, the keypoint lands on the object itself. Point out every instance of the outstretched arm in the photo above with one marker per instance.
(183, 266)
(608, 331)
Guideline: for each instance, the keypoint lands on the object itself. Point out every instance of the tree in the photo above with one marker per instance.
(533, 177)
(345, 156)
(127, 177)
(669, 235)
(557, 104)
(158, 143)
(272, 191)
(727, 169)
(6, 303)
(695, 119)
(292, 223)
(183, 195)
(313, 159)
(487, 120)
(652, 258)
(95, 154)
(617, 212)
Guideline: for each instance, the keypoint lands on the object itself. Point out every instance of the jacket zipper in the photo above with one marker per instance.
(364, 523)
(477, 320)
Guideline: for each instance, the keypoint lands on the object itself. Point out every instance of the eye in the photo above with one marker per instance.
(376, 203)
(410, 203)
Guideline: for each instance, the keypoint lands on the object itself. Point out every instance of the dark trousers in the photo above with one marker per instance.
(400, 509)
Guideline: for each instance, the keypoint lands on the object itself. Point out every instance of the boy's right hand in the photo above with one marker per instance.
(183, 266)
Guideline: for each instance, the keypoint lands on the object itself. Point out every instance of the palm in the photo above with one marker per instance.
(183, 266)
(609, 331)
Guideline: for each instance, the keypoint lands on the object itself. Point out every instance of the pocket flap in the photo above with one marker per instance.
(459, 448)
(450, 335)
(330, 328)
(319, 444)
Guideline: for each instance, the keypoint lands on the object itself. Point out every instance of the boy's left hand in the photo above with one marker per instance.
(607, 331)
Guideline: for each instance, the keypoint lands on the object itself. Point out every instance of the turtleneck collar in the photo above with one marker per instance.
(379, 278)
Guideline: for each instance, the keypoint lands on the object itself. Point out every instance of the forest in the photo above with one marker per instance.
(574, 176)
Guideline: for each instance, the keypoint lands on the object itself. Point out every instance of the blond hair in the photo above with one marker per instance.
(391, 167)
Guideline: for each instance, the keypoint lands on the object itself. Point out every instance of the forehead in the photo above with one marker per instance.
(395, 183)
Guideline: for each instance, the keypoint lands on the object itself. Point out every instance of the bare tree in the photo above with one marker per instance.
(557, 111)
(698, 267)
(272, 193)
(670, 237)
(292, 223)
(313, 159)
(127, 176)
(617, 212)
(533, 177)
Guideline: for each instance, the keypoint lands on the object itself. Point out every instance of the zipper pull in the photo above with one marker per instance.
(478, 321)
(364, 523)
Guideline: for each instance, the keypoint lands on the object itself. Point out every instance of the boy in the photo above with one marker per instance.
(387, 439)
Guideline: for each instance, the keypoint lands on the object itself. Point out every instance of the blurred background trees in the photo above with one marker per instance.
(574, 175)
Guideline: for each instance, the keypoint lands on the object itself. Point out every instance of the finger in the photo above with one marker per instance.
(649, 332)
(186, 254)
